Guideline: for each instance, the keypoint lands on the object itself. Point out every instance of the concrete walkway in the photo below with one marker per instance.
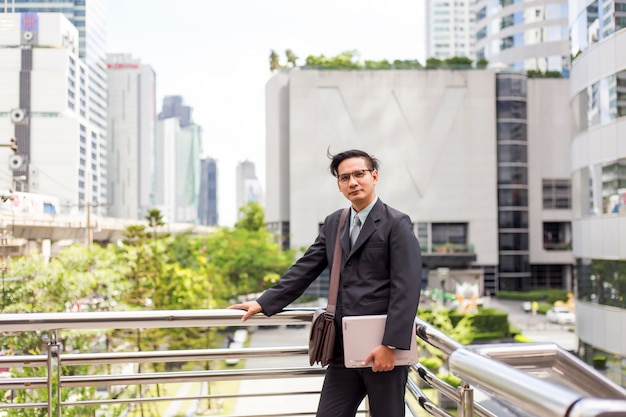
(537, 328)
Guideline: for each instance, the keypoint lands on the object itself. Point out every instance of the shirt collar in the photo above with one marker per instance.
(363, 213)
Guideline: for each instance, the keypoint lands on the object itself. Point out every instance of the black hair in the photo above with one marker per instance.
(370, 161)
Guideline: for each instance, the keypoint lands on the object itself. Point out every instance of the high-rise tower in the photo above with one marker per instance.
(131, 133)
(89, 17)
(449, 29)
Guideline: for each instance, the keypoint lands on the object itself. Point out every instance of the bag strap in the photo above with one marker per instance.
(333, 287)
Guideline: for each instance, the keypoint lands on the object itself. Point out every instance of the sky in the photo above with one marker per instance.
(215, 54)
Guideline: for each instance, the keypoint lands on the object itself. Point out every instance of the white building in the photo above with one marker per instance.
(131, 133)
(523, 36)
(44, 105)
(466, 154)
(450, 29)
(248, 185)
(598, 164)
(89, 17)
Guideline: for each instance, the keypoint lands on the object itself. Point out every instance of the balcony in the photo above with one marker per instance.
(536, 379)
(448, 255)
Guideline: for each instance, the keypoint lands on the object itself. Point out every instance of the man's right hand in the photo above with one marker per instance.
(251, 308)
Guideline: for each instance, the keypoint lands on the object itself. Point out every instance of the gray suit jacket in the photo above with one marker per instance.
(381, 274)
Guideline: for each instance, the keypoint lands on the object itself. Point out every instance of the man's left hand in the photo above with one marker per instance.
(383, 359)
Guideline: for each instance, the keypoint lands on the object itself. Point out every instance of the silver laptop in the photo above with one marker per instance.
(361, 334)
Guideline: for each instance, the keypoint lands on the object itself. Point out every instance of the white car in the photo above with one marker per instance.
(561, 315)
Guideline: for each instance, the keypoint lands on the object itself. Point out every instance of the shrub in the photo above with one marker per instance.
(450, 379)
(432, 363)
(520, 338)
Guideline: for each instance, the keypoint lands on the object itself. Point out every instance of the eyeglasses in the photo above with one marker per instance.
(358, 174)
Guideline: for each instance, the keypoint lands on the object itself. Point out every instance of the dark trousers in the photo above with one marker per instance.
(345, 388)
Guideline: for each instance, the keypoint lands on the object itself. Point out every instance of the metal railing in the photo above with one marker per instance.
(537, 379)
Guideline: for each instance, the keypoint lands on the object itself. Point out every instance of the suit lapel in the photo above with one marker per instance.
(368, 227)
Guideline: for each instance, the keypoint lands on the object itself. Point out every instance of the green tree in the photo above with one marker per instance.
(482, 63)
(155, 220)
(406, 64)
(377, 65)
(274, 61)
(291, 58)
(433, 63)
(458, 62)
(345, 60)
(245, 258)
(252, 217)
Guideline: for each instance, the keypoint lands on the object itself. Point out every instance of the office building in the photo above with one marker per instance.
(522, 36)
(131, 133)
(207, 204)
(248, 185)
(465, 153)
(89, 17)
(450, 29)
(177, 156)
(44, 106)
(598, 158)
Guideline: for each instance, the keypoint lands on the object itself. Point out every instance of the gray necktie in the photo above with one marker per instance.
(356, 228)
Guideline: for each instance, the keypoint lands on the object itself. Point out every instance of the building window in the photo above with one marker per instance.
(513, 241)
(556, 194)
(512, 219)
(557, 236)
(517, 197)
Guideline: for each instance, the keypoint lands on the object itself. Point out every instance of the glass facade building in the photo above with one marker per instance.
(520, 35)
(598, 106)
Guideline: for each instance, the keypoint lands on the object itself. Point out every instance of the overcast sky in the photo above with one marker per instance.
(215, 55)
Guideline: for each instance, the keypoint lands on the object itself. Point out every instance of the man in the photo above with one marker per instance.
(380, 274)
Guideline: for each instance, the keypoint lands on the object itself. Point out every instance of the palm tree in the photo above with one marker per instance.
(155, 219)
(291, 57)
(274, 63)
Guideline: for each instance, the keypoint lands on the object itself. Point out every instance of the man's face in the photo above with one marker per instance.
(360, 191)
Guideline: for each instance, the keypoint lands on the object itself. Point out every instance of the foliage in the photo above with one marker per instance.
(439, 317)
(252, 217)
(377, 65)
(406, 64)
(246, 259)
(432, 63)
(274, 61)
(450, 379)
(155, 220)
(455, 62)
(432, 363)
(482, 63)
(488, 323)
(345, 60)
(291, 58)
(520, 338)
(543, 74)
(549, 295)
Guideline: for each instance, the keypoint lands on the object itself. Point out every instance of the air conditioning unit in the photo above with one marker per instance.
(28, 35)
(16, 162)
(17, 115)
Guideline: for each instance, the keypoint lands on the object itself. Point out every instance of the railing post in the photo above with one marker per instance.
(466, 406)
(54, 375)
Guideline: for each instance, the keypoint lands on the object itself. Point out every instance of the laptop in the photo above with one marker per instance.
(361, 334)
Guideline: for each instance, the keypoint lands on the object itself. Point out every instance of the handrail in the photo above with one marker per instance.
(519, 389)
(495, 371)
